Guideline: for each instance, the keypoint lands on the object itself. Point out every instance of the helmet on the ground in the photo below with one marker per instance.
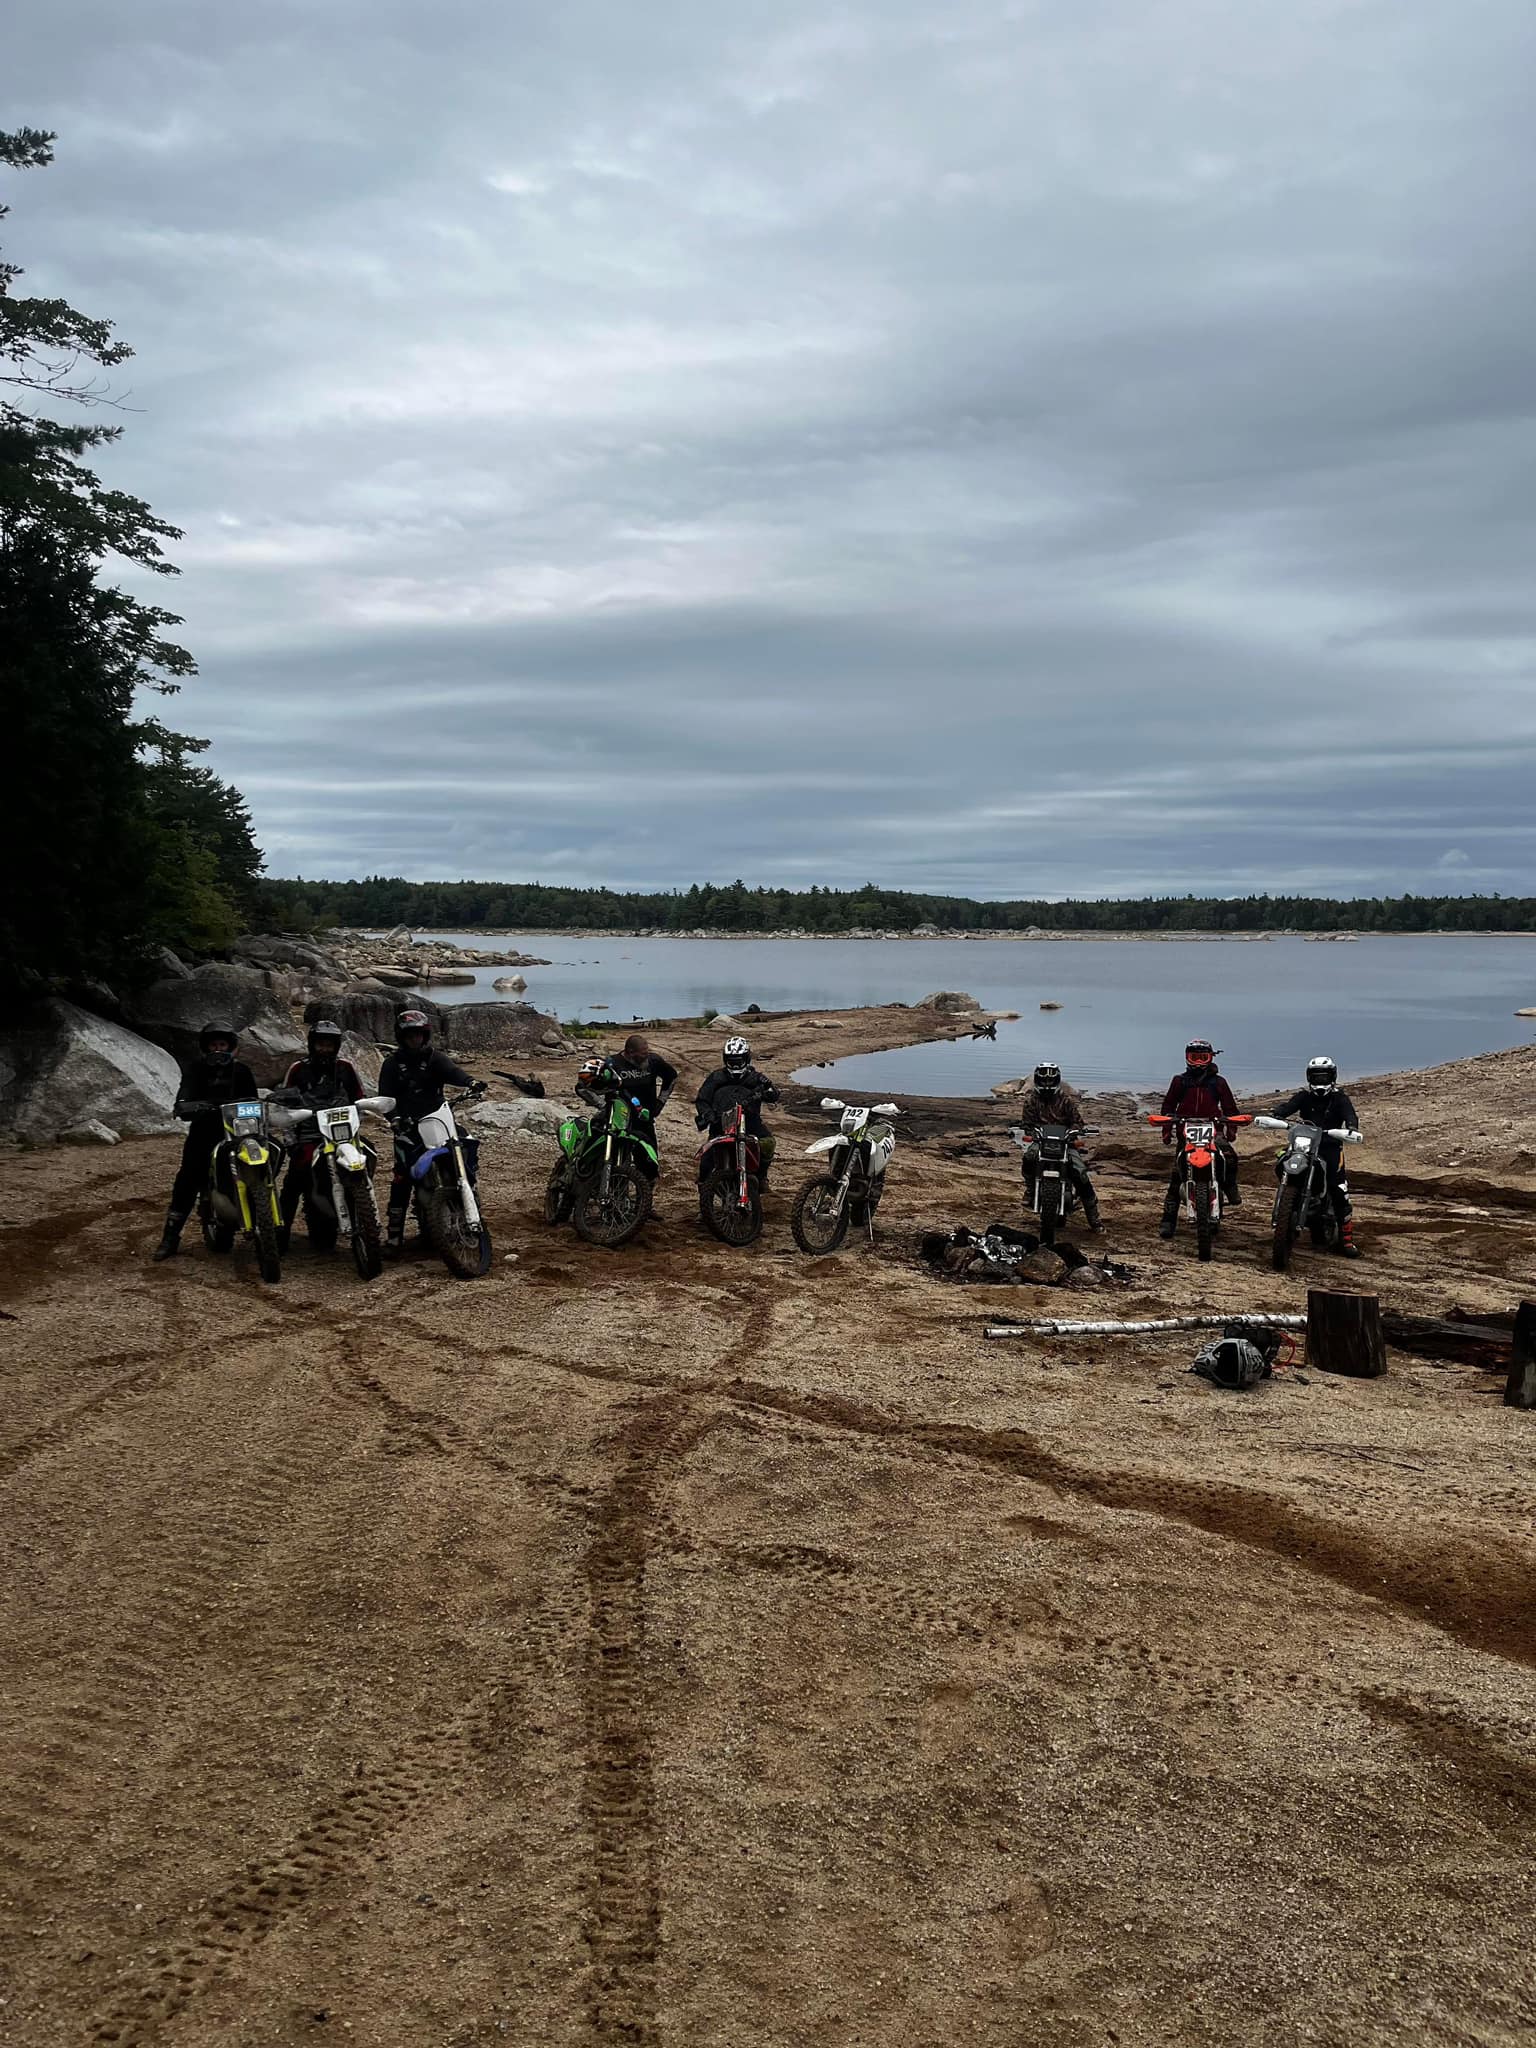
(737, 1055)
(1199, 1053)
(1047, 1077)
(1322, 1074)
(324, 1039)
(205, 1043)
(409, 1021)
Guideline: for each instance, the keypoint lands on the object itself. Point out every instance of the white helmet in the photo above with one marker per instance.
(1322, 1074)
(737, 1055)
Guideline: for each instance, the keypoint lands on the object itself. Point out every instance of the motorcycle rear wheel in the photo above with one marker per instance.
(1205, 1222)
(816, 1222)
(466, 1252)
(558, 1194)
(269, 1263)
(613, 1221)
(1286, 1204)
(723, 1212)
(218, 1237)
(367, 1252)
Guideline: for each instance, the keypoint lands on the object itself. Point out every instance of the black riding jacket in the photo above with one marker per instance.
(722, 1087)
(417, 1080)
(649, 1079)
(325, 1084)
(1333, 1111)
(204, 1081)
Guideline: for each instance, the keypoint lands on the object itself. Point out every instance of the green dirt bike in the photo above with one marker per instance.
(605, 1177)
(240, 1197)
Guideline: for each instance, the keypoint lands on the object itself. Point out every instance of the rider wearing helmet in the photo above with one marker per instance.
(214, 1077)
(1201, 1091)
(1323, 1103)
(737, 1080)
(415, 1074)
(1048, 1101)
(324, 1079)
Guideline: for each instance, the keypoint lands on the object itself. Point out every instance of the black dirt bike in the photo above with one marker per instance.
(1303, 1199)
(1050, 1191)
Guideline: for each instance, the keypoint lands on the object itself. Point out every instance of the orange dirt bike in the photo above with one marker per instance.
(731, 1171)
(1199, 1166)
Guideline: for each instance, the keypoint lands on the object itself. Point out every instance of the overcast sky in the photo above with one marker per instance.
(1005, 446)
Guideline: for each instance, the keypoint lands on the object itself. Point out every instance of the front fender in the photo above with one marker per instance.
(423, 1166)
(351, 1158)
(824, 1145)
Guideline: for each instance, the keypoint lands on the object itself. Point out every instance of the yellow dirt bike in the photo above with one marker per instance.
(241, 1194)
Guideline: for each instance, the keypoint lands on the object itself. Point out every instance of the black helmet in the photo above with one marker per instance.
(1047, 1077)
(324, 1028)
(737, 1055)
(208, 1034)
(1199, 1053)
(1322, 1074)
(413, 1020)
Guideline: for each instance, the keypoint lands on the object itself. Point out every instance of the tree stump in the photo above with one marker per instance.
(1344, 1334)
(1520, 1387)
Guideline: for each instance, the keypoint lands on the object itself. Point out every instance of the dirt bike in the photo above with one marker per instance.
(1199, 1163)
(340, 1201)
(850, 1190)
(240, 1197)
(441, 1159)
(604, 1180)
(731, 1171)
(1303, 1200)
(1050, 1192)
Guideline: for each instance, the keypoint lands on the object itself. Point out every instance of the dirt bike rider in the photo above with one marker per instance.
(415, 1074)
(736, 1079)
(1200, 1092)
(1324, 1104)
(1047, 1101)
(213, 1078)
(324, 1079)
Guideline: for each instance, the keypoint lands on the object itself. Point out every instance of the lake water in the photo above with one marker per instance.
(1127, 1007)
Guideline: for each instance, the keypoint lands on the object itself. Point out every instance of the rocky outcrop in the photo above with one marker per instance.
(173, 1011)
(509, 984)
(471, 1028)
(540, 1120)
(370, 1011)
(68, 1068)
(949, 1002)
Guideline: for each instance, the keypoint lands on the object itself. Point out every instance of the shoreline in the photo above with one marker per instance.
(1033, 937)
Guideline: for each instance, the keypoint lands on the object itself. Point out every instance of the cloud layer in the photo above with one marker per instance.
(1010, 448)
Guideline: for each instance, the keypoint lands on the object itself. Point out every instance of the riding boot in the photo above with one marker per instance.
(394, 1228)
(1347, 1245)
(1091, 1209)
(170, 1237)
(1172, 1202)
(288, 1202)
(1234, 1193)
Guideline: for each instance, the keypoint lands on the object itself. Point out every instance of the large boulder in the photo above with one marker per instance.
(272, 949)
(949, 1002)
(172, 1012)
(510, 984)
(370, 1011)
(541, 1119)
(470, 1028)
(68, 1068)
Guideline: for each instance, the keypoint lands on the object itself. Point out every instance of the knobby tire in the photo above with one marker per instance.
(1205, 1227)
(817, 1243)
(558, 1194)
(269, 1261)
(466, 1253)
(723, 1213)
(367, 1251)
(1286, 1205)
(628, 1205)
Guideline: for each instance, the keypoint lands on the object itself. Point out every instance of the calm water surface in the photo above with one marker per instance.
(1127, 1008)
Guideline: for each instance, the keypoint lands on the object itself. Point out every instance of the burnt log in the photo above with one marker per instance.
(1520, 1387)
(1344, 1334)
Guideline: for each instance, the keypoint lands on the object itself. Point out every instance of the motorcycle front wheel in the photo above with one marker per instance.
(269, 1263)
(818, 1221)
(613, 1219)
(1049, 1216)
(1287, 1202)
(463, 1249)
(723, 1212)
(363, 1210)
(1205, 1222)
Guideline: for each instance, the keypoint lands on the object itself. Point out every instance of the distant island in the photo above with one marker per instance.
(387, 900)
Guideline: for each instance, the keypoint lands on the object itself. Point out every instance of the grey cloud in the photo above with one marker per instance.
(1008, 447)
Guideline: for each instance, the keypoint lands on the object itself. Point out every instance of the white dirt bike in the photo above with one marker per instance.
(340, 1202)
(439, 1156)
(858, 1152)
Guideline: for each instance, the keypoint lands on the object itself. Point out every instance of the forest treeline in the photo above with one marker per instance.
(387, 900)
(115, 841)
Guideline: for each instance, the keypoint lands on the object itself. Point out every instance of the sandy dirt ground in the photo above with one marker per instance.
(687, 1646)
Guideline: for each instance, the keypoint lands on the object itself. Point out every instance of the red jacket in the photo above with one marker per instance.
(1208, 1097)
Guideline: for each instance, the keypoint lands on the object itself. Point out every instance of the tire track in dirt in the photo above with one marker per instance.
(623, 1905)
(250, 1909)
(186, 1565)
(1492, 1772)
(1489, 1610)
(154, 1369)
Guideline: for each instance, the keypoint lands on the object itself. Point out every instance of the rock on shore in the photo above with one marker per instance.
(64, 1069)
